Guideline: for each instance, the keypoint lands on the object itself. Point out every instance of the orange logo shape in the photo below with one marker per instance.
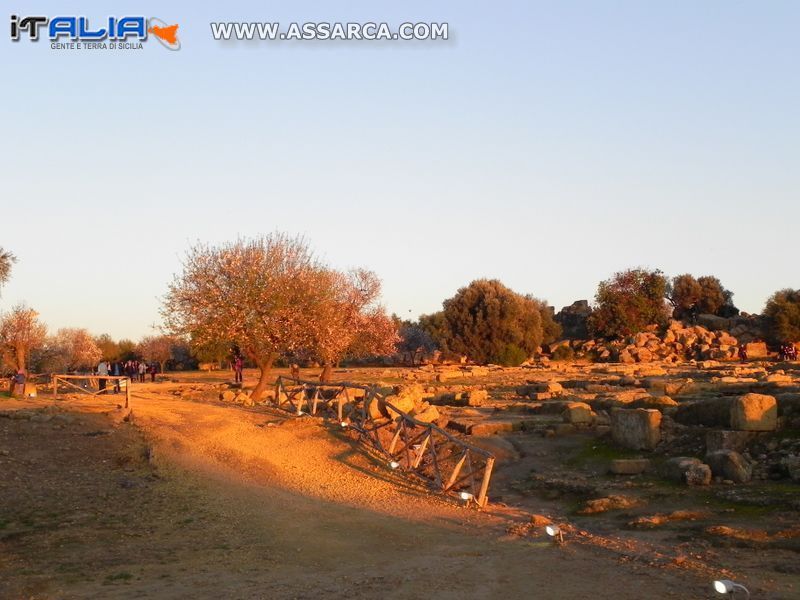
(166, 34)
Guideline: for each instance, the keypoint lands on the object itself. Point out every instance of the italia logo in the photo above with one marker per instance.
(113, 31)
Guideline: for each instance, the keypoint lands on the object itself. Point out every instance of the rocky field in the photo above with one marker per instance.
(662, 474)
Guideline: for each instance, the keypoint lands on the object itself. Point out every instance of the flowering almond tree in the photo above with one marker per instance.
(348, 319)
(73, 349)
(254, 293)
(20, 332)
(156, 348)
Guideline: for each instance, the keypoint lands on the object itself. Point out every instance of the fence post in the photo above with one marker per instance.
(487, 475)
(128, 392)
(55, 386)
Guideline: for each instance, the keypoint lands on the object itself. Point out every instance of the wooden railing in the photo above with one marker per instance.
(447, 463)
(92, 381)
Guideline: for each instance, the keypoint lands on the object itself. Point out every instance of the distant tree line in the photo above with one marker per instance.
(272, 300)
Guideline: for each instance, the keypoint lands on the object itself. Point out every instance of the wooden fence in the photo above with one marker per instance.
(447, 463)
(92, 381)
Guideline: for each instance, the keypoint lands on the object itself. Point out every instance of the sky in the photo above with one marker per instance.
(546, 144)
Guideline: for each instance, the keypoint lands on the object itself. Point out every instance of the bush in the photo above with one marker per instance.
(512, 356)
(563, 353)
(704, 295)
(783, 313)
(483, 320)
(629, 302)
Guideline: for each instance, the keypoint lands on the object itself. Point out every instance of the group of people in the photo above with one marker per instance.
(133, 369)
(787, 352)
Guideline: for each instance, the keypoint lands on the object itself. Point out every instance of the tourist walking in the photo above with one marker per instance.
(142, 371)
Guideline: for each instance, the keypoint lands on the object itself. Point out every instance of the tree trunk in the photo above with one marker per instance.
(20, 354)
(327, 373)
(265, 366)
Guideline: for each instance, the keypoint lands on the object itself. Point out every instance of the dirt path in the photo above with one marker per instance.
(244, 504)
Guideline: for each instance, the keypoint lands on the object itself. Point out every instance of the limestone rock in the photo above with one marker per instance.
(754, 412)
(691, 471)
(717, 439)
(577, 413)
(629, 466)
(600, 505)
(476, 397)
(502, 449)
(638, 428)
(729, 464)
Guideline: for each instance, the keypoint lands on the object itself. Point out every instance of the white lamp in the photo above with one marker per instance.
(554, 531)
(726, 586)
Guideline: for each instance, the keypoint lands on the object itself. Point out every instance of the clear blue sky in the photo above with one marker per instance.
(547, 144)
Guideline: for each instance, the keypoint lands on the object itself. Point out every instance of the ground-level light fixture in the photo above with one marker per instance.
(343, 424)
(554, 531)
(726, 586)
(394, 464)
(466, 496)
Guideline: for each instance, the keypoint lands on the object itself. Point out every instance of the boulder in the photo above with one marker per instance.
(792, 465)
(638, 428)
(754, 412)
(490, 428)
(688, 470)
(425, 413)
(404, 399)
(729, 464)
(750, 412)
(629, 466)
(756, 350)
(722, 439)
(476, 397)
(502, 449)
(656, 402)
(577, 413)
(227, 396)
(599, 505)
(244, 399)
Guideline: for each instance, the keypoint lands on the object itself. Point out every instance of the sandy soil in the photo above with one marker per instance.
(200, 499)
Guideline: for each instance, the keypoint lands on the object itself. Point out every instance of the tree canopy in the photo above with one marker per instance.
(271, 297)
(628, 302)
(783, 313)
(489, 323)
(703, 295)
(20, 332)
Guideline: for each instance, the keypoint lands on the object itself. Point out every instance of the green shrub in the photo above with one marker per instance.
(511, 356)
(563, 353)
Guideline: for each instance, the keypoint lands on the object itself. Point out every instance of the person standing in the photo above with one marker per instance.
(116, 371)
(743, 352)
(142, 371)
(102, 369)
(238, 365)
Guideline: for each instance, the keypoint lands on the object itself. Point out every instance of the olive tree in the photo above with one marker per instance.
(488, 322)
(703, 295)
(783, 314)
